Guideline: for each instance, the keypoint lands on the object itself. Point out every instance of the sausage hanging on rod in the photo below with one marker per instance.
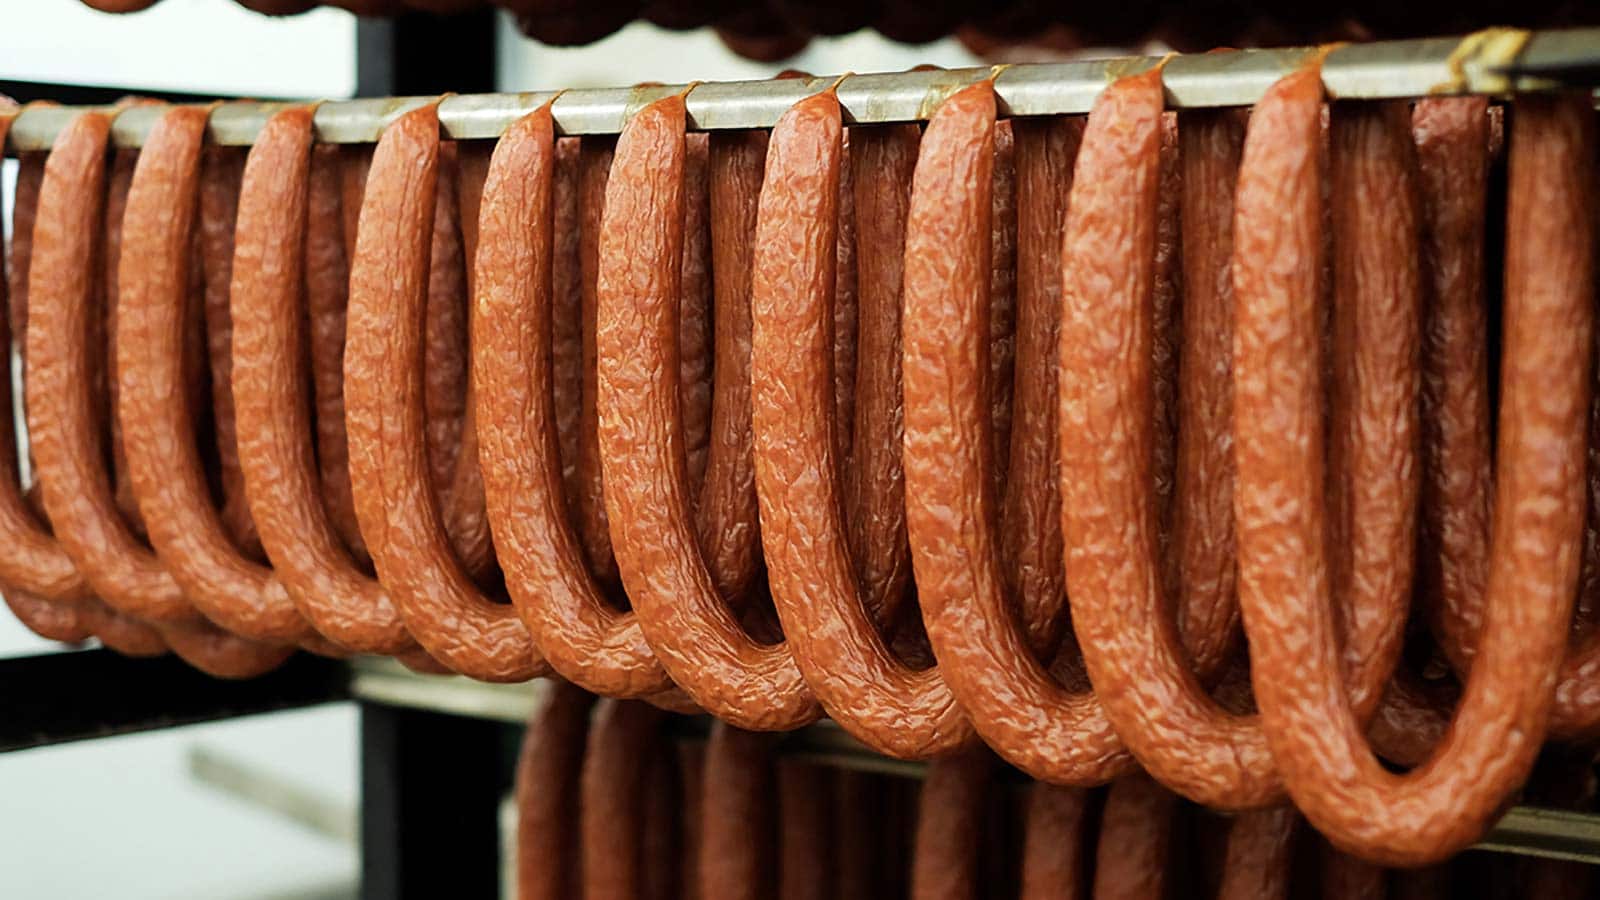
(276, 453)
(221, 173)
(819, 596)
(400, 518)
(1538, 513)
(77, 491)
(563, 607)
(547, 790)
(1184, 738)
(595, 157)
(991, 670)
(189, 536)
(694, 634)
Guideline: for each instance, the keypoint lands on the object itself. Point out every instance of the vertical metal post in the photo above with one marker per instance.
(417, 53)
(430, 799)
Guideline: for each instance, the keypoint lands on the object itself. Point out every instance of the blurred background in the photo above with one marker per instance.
(149, 816)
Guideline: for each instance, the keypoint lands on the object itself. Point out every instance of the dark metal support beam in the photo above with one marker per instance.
(58, 697)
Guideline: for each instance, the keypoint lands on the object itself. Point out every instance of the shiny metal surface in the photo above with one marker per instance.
(1496, 61)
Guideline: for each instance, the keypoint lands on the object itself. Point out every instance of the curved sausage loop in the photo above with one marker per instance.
(564, 609)
(1056, 822)
(693, 632)
(66, 440)
(990, 668)
(168, 475)
(1537, 528)
(950, 814)
(1135, 836)
(548, 772)
(819, 598)
(1452, 149)
(738, 851)
(1183, 737)
(1259, 855)
(33, 567)
(399, 514)
(276, 451)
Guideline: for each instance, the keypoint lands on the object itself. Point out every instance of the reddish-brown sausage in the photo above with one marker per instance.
(950, 502)
(594, 164)
(616, 762)
(169, 479)
(1345, 877)
(823, 604)
(1135, 834)
(737, 850)
(1030, 514)
(399, 516)
(1538, 511)
(806, 859)
(221, 171)
(944, 859)
(1053, 849)
(1260, 852)
(327, 281)
(750, 685)
(548, 775)
(75, 487)
(565, 610)
(310, 563)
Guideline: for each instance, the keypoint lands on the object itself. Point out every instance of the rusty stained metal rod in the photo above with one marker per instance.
(1496, 61)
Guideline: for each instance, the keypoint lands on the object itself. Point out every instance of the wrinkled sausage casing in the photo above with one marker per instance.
(400, 517)
(825, 609)
(693, 632)
(1537, 526)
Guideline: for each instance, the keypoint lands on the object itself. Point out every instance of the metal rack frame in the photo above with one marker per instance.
(1498, 61)
(436, 752)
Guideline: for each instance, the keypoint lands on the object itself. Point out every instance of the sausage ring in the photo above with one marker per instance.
(548, 774)
(950, 813)
(398, 513)
(1135, 835)
(76, 490)
(949, 494)
(692, 631)
(820, 598)
(1538, 514)
(737, 855)
(583, 637)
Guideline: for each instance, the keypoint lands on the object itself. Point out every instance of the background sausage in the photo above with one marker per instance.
(738, 852)
(1053, 848)
(1135, 835)
(949, 826)
(615, 765)
(548, 774)
(1260, 852)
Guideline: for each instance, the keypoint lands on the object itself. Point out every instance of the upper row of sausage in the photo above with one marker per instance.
(847, 422)
(771, 30)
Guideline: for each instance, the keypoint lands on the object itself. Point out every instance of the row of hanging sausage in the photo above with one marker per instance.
(770, 30)
(1082, 437)
(619, 801)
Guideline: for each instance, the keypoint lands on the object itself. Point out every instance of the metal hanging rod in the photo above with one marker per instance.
(1497, 61)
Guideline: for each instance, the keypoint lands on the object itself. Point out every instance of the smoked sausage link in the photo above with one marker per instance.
(826, 610)
(691, 629)
(1537, 527)
(399, 514)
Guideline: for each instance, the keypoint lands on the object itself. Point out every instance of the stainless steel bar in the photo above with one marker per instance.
(1498, 61)
(1524, 830)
